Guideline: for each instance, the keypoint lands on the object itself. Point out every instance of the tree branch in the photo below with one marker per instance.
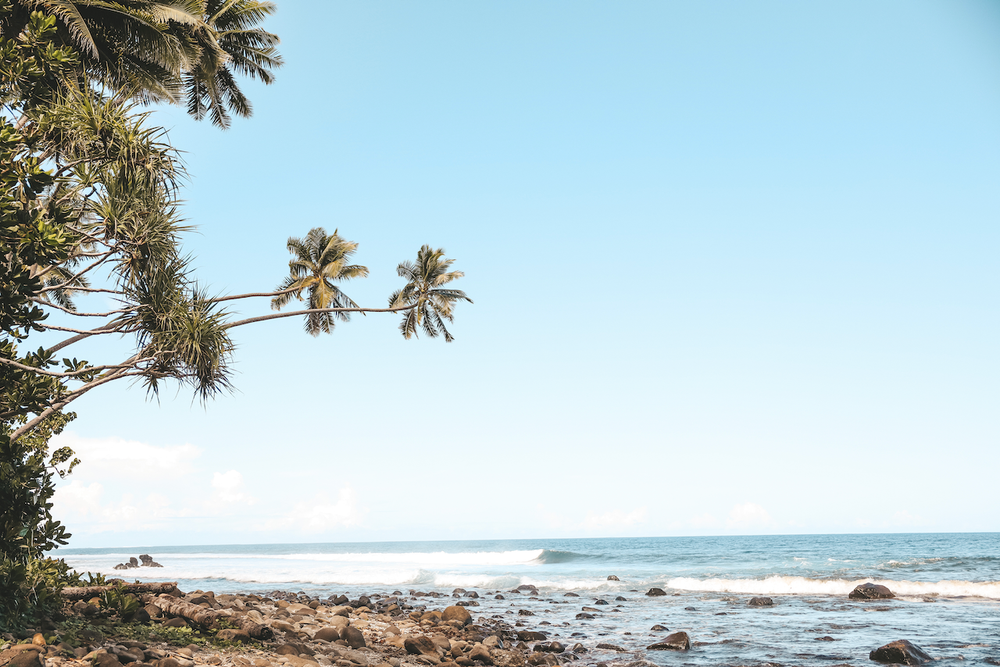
(56, 374)
(43, 302)
(245, 296)
(294, 313)
(76, 339)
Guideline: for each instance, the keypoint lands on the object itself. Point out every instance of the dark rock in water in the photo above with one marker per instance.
(655, 592)
(611, 647)
(871, 591)
(825, 638)
(760, 602)
(527, 588)
(340, 600)
(147, 561)
(458, 592)
(467, 603)
(530, 636)
(525, 612)
(472, 594)
(612, 577)
(590, 609)
(420, 645)
(571, 595)
(899, 652)
(133, 561)
(660, 628)
(353, 637)
(541, 659)
(679, 641)
(499, 597)
(578, 648)
(992, 661)
(690, 609)
(621, 599)
(584, 616)
(600, 602)
(550, 647)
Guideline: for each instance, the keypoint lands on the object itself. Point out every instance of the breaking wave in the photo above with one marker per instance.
(785, 585)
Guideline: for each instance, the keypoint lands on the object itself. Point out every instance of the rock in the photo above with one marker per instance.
(525, 612)
(621, 599)
(590, 609)
(530, 636)
(147, 561)
(611, 647)
(175, 623)
(127, 655)
(133, 562)
(22, 655)
(91, 635)
(660, 628)
(472, 594)
(527, 588)
(233, 635)
(456, 613)
(825, 638)
(353, 637)
(612, 577)
(871, 591)
(760, 602)
(678, 641)
(499, 597)
(329, 634)
(899, 652)
(571, 595)
(420, 645)
(601, 602)
(655, 592)
(584, 616)
(102, 658)
(480, 654)
(141, 616)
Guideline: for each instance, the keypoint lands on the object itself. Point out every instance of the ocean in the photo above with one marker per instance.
(947, 587)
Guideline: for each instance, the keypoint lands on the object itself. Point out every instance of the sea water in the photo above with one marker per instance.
(948, 588)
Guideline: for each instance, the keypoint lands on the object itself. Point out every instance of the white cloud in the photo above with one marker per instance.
(749, 515)
(614, 518)
(117, 457)
(704, 520)
(321, 514)
(229, 488)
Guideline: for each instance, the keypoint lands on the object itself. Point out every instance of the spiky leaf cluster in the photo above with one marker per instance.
(425, 290)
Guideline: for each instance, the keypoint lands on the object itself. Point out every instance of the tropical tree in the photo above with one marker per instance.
(151, 50)
(430, 302)
(229, 42)
(319, 261)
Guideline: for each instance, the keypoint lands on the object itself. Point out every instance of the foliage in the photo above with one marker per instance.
(431, 302)
(320, 261)
(117, 600)
(31, 590)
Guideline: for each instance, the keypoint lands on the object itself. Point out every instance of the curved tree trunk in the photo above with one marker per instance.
(83, 592)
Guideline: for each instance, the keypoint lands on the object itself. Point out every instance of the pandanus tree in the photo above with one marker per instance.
(430, 302)
(319, 261)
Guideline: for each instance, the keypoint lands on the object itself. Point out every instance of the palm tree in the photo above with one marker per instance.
(319, 261)
(431, 303)
(155, 50)
(229, 42)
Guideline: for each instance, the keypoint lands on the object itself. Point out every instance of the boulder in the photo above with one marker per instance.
(899, 652)
(571, 595)
(530, 636)
(480, 654)
(175, 623)
(328, 634)
(678, 641)
(22, 655)
(584, 616)
(660, 628)
(456, 613)
(871, 591)
(353, 637)
(761, 602)
(612, 647)
(420, 645)
(655, 592)
(233, 635)
(612, 577)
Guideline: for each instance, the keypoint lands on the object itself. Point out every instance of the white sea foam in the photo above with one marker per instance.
(433, 559)
(784, 585)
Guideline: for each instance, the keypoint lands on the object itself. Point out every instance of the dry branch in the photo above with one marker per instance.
(173, 606)
(84, 592)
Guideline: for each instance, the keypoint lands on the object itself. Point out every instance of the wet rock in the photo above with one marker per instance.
(456, 613)
(525, 612)
(660, 628)
(690, 609)
(571, 595)
(578, 648)
(825, 638)
(584, 616)
(612, 647)
(612, 577)
(899, 652)
(761, 602)
(871, 591)
(600, 602)
(678, 641)
(499, 597)
(590, 609)
(147, 561)
(527, 588)
(655, 592)
(472, 594)
(530, 636)
(621, 599)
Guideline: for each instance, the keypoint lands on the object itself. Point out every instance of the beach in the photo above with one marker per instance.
(947, 595)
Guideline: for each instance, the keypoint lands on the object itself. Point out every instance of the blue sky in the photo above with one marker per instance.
(734, 271)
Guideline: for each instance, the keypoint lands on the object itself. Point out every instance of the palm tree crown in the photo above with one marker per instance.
(432, 303)
(319, 261)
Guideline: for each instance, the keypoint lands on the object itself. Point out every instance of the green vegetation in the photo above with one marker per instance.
(89, 203)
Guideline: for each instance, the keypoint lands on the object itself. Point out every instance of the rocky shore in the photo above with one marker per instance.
(412, 629)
